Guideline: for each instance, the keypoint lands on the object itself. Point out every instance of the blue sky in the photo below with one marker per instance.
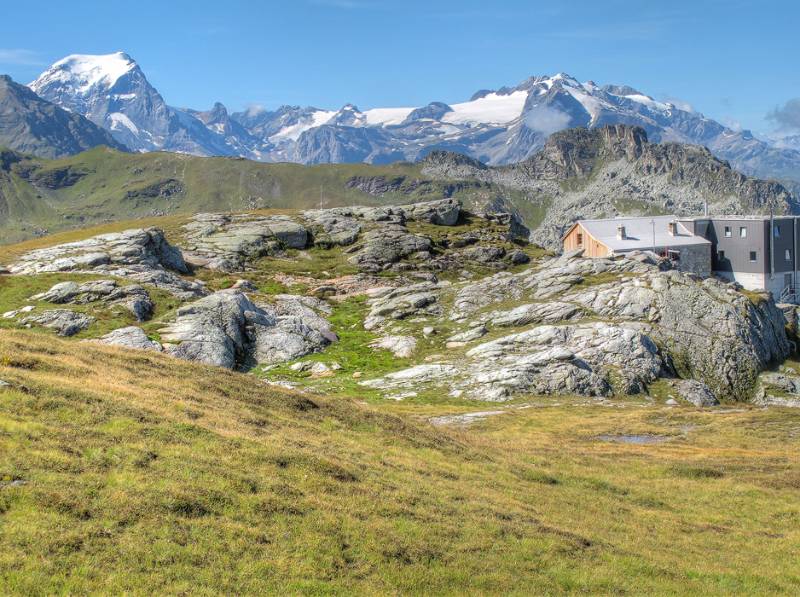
(734, 60)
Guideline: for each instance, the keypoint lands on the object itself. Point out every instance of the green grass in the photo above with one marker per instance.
(352, 352)
(127, 472)
(637, 207)
(111, 189)
(15, 292)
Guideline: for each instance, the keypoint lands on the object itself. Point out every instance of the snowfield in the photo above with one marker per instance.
(82, 72)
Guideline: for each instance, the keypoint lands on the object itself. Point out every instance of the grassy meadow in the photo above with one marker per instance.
(132, 472)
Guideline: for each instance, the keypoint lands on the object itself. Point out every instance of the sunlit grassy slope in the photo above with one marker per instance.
(103, 185)
(132, 472)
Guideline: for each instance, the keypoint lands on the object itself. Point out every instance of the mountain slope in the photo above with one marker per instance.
(29, 124)
(112, 91)
(495, 126)
(615, 170)
(111, 460)
(580, 173)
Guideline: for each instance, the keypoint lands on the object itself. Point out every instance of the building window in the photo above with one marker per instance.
(727, 231)
(580, 239)
(776, 231)
(742, 232)
(721, 255)
(788, 255)
(753, 256)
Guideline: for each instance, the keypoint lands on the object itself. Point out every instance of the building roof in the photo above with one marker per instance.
(641, 233)
(754, 217)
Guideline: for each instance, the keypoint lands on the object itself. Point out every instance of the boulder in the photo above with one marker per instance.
(400, 346)
(215, 329)
(474, 333)
(547, 312)
(387, 245)
(228, 330)
(63, 321)
(230, 242)
(402, 302)
(332, 227)
(444, 212)
(695, 392)
(130, 337)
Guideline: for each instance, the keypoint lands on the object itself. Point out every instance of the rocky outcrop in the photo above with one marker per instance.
(387, 245)
(595, 327)
(615, 170)
(332, 227)
(142, 255)
(400, 346)
(134, 298)
(63, 321)
(229, 242)
(300, 329)
(130, 337)
(779, 388)
(387, 304)
(228, 330)
(694, 392)
(215, 330)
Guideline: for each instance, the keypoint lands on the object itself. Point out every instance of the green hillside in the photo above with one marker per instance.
(44, 196)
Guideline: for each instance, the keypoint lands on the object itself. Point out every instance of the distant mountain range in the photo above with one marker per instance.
(496, 127)
(579, 173)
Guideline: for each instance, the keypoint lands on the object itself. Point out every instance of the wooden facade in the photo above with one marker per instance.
(579, 238)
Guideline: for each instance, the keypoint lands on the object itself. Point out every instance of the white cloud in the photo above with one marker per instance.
(787, 116)
(546, 120)
(732, 123)
(20, 57)
(254, 109)
(679, 103)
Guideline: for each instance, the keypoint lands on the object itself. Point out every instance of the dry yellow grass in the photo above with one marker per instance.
(139, 473)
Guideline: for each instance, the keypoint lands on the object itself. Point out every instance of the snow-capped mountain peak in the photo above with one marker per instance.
(80, 73)
(496, 126)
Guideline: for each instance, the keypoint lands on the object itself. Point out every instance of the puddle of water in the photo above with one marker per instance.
(640, 440)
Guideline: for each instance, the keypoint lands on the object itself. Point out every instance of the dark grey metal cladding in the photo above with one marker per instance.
(782, 243)
(732, 253)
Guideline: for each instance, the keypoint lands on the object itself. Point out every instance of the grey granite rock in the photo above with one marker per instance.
(695, 392)
(63, 321)
(134, 297)
(332, 227)
(443, 212)
(228, 330)
(400, 346)
(215, 329)
(300, 329)
(546, 312)
(130, 337)
(387, 245)
(402, 302)
(230, 242)
(142, 255)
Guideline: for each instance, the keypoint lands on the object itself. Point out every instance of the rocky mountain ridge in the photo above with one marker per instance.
(496, 127)
(580, 173)
(615, 170)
